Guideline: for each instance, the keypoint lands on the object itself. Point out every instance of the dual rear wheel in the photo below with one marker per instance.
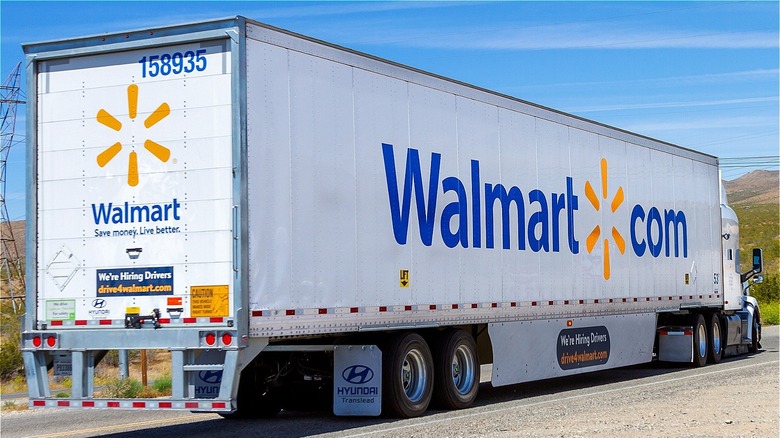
(707, 339)
(413, 375)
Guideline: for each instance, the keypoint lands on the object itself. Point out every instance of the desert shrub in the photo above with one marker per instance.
(770, 313)
(163, 384)
(123, 388)
(11, 405)
(768, 291)
(11, 363)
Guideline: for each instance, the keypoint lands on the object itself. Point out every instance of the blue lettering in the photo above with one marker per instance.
(675, 220)
(125, 214)
(637, 213)
(206, 390)
(454, 220)
(653, 216)
(458, 208)
(650, 231)
(558, 204)
(412, 177)
(665, 230)
(571, 205)
(357, 390)
(475, 205)
(101, 213)
(539, 218)
(506, 199)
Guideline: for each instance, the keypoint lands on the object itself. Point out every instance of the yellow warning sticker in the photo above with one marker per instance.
(209, 301)
(403, 278)
(133, 310)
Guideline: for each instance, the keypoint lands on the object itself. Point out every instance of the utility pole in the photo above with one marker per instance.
(11, 263)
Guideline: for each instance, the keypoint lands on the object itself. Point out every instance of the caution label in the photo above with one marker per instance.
(209, 301)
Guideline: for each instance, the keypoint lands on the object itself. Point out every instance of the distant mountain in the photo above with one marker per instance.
(754, 197)
(754, 188)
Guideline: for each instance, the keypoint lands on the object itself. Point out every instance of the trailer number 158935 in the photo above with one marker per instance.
(176, 63)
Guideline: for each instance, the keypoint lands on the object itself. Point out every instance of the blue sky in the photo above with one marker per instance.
(703, 75)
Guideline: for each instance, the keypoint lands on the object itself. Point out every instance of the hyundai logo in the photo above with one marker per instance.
(98, 303)
(358, 374)
(210, 376)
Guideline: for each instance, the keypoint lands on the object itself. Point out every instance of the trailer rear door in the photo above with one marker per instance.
(134, 185)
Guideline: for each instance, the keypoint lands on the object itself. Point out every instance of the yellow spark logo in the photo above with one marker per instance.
(105, 118)
(594, 235)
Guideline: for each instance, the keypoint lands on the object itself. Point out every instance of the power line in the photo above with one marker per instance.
(750, 162)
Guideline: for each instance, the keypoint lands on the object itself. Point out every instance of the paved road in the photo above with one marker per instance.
(648, 400)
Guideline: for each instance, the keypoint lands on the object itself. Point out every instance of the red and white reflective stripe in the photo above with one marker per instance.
(200, 405)
(120, 323)
(258, 313)
(677, 333)
(210, 321)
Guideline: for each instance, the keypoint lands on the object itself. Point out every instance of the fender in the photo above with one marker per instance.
(750, 304)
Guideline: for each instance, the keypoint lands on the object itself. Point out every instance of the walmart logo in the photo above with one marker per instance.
(105, 118)
(532, 220)
(594, 235)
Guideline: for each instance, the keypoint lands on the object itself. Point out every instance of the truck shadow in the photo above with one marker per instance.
(320, 420)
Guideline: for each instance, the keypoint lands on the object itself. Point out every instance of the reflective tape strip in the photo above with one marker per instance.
(150, 404)
(257, 313)
(120, 323)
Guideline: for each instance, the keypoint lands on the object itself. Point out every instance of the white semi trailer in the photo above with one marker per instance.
(285, 215)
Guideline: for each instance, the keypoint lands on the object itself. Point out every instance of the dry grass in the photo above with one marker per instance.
(158, 368)
(12, 405)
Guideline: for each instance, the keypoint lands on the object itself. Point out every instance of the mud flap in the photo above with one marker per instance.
(675, 344)
(357, 380)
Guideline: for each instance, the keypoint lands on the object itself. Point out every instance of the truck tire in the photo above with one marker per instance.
(755, 335)
(715, 336)
(407, 376)
(700, 344)
(456, 367)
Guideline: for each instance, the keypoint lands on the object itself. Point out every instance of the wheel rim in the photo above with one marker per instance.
(414, 375)
(463, 370)
(702, 341)
(716, 337)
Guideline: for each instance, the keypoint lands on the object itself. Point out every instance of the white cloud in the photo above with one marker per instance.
(618, 107)
(681, 124)
(340, 8)
(717, 78)
(581, 36)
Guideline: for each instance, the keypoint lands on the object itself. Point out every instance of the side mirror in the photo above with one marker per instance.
(758, 265)
(758, 260)
(758, 279)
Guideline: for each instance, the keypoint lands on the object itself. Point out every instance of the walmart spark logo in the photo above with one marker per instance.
(595, 234)
(105, 118)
